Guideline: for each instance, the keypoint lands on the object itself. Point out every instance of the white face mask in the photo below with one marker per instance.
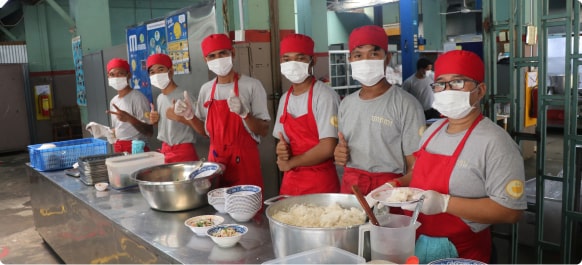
(430, 74)
(296, 72)
(453, 104)
(161, 80)
(368, 72)
(117, 83)
(220, 66)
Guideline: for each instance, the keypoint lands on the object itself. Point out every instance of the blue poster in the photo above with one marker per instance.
(79, 74)
(177, 29)
(157, 37)
(137, 51)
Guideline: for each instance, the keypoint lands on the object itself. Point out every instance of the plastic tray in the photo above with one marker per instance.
(65, 154)
(323, 255)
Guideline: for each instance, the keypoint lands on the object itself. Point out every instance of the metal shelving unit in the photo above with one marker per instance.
(340, 73)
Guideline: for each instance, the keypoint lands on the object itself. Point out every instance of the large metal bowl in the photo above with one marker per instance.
(288, 239)
(169, 187)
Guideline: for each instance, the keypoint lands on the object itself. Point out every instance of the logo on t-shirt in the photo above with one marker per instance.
(514, 188)
(333, 121)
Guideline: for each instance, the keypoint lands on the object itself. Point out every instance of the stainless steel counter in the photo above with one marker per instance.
(84, 225)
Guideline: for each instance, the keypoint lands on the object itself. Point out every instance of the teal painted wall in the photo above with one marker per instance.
(391, 13)
(340, 24)
(433, 24)
(286, 14)
(48, 38)
(92, 23)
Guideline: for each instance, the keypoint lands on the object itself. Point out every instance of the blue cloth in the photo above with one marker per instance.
(137, 146)
(429, 249)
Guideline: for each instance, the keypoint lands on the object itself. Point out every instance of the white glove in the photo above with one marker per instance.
(236, 105)
(184, 107)
(371, 201)
(434, 202)
(100, 130)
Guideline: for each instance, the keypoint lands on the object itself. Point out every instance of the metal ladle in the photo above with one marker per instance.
(417, 210)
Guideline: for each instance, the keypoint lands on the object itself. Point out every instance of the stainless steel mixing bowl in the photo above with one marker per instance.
(170, 187)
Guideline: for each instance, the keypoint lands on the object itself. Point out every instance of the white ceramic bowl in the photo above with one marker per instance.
(200, 224)
(216, 195)
(219, 234)
(219, 207)
(101, 186)
(242, 216)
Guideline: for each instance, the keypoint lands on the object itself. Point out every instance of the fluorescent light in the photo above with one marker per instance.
(2, 3)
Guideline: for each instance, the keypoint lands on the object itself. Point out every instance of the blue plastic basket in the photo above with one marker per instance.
(65, 154)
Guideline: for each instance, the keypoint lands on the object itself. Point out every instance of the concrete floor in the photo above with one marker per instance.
(19, 241)
(21, 244)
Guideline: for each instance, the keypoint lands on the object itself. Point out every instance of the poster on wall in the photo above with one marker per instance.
(157, 37)
(137, 51)
(177, 29)
(79, 74)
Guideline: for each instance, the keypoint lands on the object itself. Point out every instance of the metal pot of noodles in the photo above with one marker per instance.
(311, 221)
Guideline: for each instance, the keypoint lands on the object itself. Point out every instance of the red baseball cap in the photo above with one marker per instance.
(460, 62)
(117, 63)
(159, 58)
(297, 43)
(215, 42)
(370, 34)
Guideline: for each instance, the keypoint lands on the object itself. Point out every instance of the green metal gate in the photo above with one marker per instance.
(553, 22)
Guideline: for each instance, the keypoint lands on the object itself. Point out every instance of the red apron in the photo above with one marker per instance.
(179, 153)
(366, 181)
(231, 144)
(433, 172)
(125, 146)
(303, 135)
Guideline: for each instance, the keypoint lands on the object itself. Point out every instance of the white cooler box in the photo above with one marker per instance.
(120, 168)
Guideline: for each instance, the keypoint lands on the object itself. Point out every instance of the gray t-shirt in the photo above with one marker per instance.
(251, 92)
(324, 107)
(420, 89)
(134, 103)
(486, 167)
(169, 131)
(381, 131)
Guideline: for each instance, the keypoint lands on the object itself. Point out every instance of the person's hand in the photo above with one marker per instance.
(236, 105)
(111, 136)
(284, 165)
(184, 107)
(341, 154)
(122, 115)
(154, 115)
(171, 115)
(282, 150)
(434, 202)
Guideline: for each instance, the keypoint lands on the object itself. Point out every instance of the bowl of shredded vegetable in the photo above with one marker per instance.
(200, 224)
(227, 235)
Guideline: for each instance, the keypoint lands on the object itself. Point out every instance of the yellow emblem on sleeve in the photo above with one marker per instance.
(515, 188)
(333, 121)
(421, 130)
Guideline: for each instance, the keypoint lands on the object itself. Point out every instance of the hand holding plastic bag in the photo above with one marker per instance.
(100, 130)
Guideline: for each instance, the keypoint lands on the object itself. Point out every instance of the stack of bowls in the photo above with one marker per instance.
(216, 199)
(242, 202)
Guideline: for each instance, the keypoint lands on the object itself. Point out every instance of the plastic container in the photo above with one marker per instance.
(65, 154)
(119, 168)
(323, 255)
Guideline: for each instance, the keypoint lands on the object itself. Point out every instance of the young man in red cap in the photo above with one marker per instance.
(470, 168)
(127, 108)
(174, 131)
(306, 123)
(232, 111)
(379, 125)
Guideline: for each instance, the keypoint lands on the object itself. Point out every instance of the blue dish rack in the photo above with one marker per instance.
(65, 154)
